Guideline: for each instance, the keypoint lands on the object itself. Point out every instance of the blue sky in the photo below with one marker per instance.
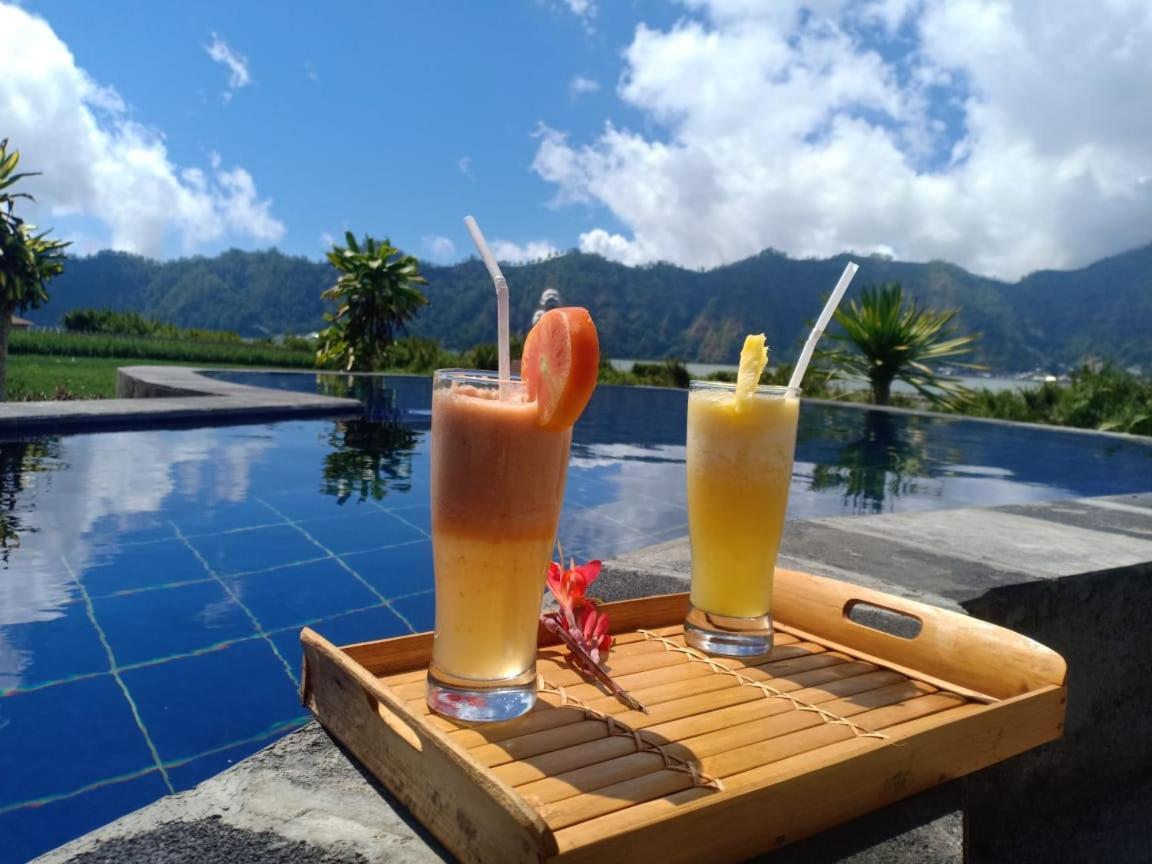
(389, 118)
(696, 131)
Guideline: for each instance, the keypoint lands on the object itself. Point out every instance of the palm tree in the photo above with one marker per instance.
(895, 339)
(376, 295)
(28, 261)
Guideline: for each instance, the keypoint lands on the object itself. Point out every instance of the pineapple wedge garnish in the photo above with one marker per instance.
(753, 359)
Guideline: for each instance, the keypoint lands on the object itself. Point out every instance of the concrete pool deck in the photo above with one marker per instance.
(1072, 574)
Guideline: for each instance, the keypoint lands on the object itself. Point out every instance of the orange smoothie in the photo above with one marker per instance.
(497, 488)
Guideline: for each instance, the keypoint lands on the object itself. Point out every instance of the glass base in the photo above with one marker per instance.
(730, 637)
(480, 701)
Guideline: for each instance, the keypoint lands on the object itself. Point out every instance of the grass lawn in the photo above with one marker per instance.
(42, 376)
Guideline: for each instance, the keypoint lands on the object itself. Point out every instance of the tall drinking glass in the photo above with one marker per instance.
(739, 469)
(497, 487)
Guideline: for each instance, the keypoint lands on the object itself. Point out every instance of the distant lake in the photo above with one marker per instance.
(703, 370)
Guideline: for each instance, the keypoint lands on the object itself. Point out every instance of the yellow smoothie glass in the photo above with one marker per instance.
(739, 466)
(497, 489)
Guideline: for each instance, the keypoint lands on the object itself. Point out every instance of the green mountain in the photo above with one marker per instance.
(1048, 319)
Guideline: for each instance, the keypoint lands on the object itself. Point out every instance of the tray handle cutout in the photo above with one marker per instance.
(885, 619)
(395, 722)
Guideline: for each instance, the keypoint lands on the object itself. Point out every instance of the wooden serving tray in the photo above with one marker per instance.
(733, 759)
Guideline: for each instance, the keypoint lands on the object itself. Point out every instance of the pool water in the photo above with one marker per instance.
(153, 583)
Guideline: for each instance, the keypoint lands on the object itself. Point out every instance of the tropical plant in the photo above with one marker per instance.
(1094, 397)
(895, 339)
(28, 261)
(376, 294)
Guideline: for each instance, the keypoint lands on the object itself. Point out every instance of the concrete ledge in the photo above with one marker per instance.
(151, 395)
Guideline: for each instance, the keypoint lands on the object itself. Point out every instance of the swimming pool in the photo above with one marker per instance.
(153, 582)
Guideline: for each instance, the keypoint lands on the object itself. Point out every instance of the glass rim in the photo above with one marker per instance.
(476, 376)
(729, 386)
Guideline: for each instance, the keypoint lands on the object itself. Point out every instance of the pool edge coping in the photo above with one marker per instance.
(180, 394)
(155, 395)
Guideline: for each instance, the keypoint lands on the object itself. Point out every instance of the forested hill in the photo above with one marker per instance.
(1046, 319)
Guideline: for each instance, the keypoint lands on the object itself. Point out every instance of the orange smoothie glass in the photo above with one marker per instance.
(497, 489)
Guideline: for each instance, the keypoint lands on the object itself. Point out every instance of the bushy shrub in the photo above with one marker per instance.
(112, 322)
(154, 348)
(1095, 397)
(420, 356)
(669, 373)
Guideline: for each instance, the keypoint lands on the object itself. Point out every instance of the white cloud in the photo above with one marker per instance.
(118, 476)
(310, 72)
(464, 164)
(327, 240)
(514, 253)
(583, 9)
(999, 136)
(440, 248)
(580, 85)
(98, 163)
(238, 75)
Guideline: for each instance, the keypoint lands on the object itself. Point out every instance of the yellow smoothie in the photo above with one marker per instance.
(739, 468)
(497, 488)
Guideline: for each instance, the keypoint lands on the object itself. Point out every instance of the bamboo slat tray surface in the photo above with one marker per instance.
(734, 758)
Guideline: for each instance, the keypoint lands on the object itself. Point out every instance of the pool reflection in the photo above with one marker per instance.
(368, 459)
(18, 460)
(882, 463)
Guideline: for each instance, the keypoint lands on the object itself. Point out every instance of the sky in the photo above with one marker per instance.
(1006, 137)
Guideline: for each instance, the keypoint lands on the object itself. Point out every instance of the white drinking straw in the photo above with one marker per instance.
(504, 362)
(821, 323)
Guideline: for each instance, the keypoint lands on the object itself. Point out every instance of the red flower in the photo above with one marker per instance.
(580, 625)
(570, 587)
(593, 625)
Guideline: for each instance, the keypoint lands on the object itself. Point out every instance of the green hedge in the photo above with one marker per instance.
(147, 348)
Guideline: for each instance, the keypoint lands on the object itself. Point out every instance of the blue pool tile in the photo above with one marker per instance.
(258, 549)
(589, 492)
(419, 515)
(367, 625)
(644, 515)
(32, 831)
(292, 595)
(42, 726)
(360, 530)
(149, 625)
(186, 775)
(195, 704)
(62, 647)
(303, 502)
(194, 516)
(133, 527)
(598, 537)
(138, 565)
(287, 642)
(400, 570)
(419, 609)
